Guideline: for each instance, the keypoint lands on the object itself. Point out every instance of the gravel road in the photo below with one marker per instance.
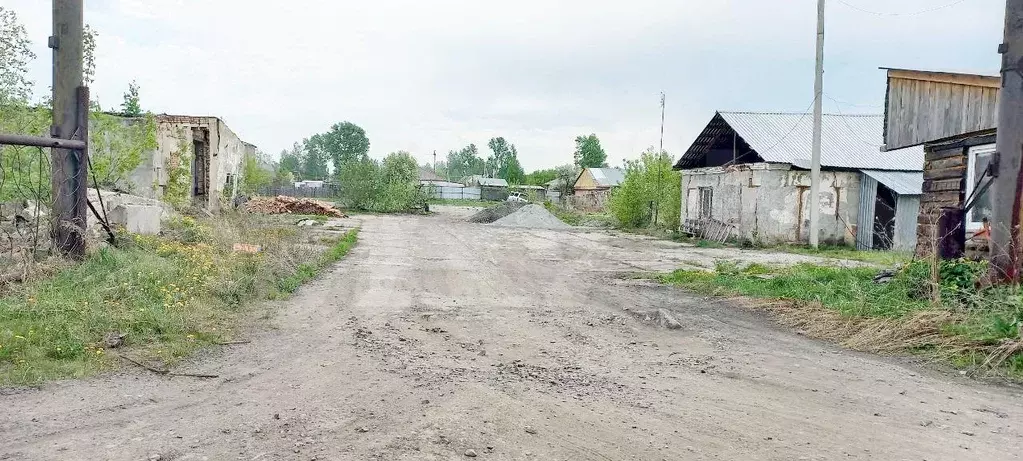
(441, 340)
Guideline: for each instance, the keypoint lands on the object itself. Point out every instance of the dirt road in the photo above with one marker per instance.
(441, 340)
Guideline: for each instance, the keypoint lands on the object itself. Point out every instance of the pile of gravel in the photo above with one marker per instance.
(496, 212)
(533, 217)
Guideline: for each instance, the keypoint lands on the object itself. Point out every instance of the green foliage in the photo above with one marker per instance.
(540, 177)
(291, 162)
(89, 56)
(168, 295)
(179, 172)
(118, 146)
(315, 159)
(15, 56)
(648, 181)
(464, 162)
(131, 106)
(504, 162)
(346, 142)
(257, 173)
(588, 153)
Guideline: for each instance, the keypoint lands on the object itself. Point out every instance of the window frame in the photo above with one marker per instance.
(709, 212)
(971, 179)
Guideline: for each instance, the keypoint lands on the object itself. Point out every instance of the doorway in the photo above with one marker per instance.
(884, 218)
(201, 166)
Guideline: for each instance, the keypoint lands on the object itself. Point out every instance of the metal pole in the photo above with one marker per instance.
(1006, 190)
(660, 153)
(68, 166)
(814, 202)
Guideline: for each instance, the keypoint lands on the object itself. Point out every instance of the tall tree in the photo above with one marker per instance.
(315, 160)
(345, 142)
(291, 161)
(131, 106)
(541, 177)
(464, 162)
(504, 161)
(15, 55)
(89, 55)
(588, 153)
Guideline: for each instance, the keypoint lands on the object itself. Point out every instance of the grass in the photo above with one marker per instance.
(578, 218)
(169, 296)
(881, 258)
(847, 306)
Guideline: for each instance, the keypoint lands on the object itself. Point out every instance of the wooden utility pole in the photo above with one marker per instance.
(814, 200)
(1008, 185)
(70, 121)
(657, 202)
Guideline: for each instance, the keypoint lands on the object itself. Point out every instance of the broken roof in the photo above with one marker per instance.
(847, 141)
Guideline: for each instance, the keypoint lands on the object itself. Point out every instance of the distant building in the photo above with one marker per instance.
(954, 117)
(593, 187)
(749, 173)
(309, 184)
(490, 188)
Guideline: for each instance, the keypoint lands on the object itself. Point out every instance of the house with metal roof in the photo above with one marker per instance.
(593, 187)
(748, 172)
(954, 117)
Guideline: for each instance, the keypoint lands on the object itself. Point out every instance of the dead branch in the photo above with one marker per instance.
(166, 372)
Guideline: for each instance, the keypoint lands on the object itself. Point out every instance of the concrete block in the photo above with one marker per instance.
(137, 219)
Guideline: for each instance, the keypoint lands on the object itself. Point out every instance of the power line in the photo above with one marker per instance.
(779, 141)
(914, 13)
(845, 122)
(852, 104)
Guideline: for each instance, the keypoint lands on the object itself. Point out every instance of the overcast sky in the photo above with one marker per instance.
(425, 75)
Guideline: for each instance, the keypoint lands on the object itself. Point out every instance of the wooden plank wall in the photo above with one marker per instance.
(944, 186)
(921, 111)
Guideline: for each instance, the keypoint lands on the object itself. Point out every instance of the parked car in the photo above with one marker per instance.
(517, 197)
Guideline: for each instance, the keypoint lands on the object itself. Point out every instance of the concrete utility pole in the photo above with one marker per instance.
(657, 202)
(1008, 185)
(70, 102)
(814, 200)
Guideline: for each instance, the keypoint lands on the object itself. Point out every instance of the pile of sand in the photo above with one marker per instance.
(495, 212)
(533, 217)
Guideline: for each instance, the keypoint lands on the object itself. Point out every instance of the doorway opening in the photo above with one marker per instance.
(201, 166)
(884, 218)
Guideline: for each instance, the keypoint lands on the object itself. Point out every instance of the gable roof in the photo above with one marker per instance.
(605, 177)
(492, 182)
(427, 174)
(847, 141)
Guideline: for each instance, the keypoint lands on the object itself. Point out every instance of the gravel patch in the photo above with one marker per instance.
(533, 217)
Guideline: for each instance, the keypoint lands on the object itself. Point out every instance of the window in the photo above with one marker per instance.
(979, 158)
(706, 203)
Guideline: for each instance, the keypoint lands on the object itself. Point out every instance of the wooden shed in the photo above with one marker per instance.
(953, 115)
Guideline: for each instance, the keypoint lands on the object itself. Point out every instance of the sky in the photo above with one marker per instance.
(425, 76)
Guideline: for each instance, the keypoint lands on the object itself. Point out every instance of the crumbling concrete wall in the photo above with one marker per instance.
(767, 203)
(174, 139)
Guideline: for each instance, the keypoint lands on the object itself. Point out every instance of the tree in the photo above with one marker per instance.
(464, 162)
(541, 177)
(588, 153)
(315, 159)
(15, 56)
(89, 55)
(257, 173)
(504, 162)
(648, 180)
(291, 162)
(131, 107)
(345, 142)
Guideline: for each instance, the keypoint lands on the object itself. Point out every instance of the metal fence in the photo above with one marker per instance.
(453, 193)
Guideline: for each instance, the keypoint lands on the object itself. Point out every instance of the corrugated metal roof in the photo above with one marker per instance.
(607, 177)
(847, 141)
(493, 182)
(900, 182)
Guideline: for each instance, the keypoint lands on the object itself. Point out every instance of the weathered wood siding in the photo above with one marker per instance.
(945, 167)
(925, 107)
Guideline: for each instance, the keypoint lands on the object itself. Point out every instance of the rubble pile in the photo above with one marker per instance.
(282, 204)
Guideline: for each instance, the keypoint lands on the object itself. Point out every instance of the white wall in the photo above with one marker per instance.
(767, 203)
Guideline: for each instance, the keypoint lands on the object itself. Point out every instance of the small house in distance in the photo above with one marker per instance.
(749, 173)
(593, 187)
(495, 189)
(953, 116)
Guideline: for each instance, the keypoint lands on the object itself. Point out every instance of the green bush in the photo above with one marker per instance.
(648, 181)
(386, 187)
